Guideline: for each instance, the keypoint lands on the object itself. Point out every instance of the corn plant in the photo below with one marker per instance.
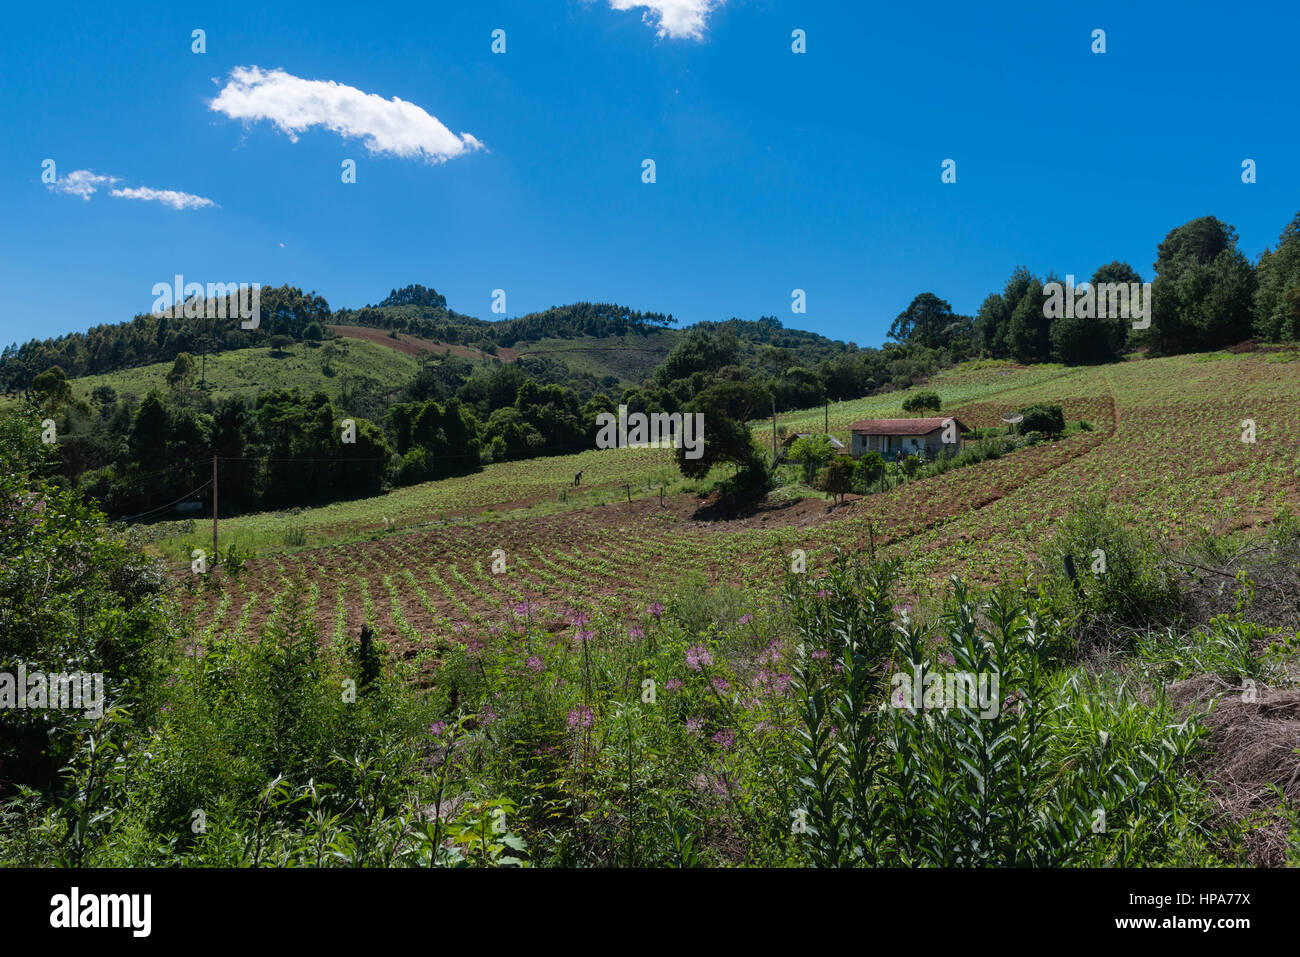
(940, 779)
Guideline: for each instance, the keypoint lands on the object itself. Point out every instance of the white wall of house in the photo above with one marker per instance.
(931, 445)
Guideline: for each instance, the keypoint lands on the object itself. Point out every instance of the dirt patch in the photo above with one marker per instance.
(766, 514)
(414, 345)
(1253, 745)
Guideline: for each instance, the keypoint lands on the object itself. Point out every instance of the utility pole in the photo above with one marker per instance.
(828, 417)
(215, 552)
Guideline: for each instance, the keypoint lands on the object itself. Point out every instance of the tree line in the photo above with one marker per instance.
(1205, 294)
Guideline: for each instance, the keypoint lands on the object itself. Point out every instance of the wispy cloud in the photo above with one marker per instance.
(678, 19)
(85, 183)
(295, 105)
(168, 197)
(82, 182)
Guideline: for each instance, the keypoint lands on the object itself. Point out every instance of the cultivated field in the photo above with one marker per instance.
(1166, 444)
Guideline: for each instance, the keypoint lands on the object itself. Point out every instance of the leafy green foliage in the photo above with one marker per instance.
(1046, 418)
(922, 402)
(889, 779)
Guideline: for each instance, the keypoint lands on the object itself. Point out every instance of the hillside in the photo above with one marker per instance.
(607, 345)
(1165, 444)
(518, 550)
(246, 372)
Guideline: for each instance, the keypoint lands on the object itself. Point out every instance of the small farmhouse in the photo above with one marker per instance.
(894, 438)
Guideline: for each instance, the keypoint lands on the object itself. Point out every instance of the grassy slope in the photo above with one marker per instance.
(248, 371)
(629, 358)
(544, 478)
(1166, 446)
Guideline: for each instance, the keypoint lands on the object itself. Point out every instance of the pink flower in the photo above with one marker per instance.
(725, 738)
(697, 657)
(820, 653)
(693, 725)
(946, 658)
(489, 715)
(656, 610)
(581, 717)
(437, 728)
(536, 663)
(823, 593)
(719, 685)
(672, 684)
(636, 632)
(745, 619)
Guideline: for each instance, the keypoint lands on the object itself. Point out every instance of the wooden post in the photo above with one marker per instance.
(629, 494)
(828, 417)
(215, 551)
(661, 496)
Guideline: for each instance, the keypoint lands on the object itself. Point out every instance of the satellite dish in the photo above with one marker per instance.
(1015, 418)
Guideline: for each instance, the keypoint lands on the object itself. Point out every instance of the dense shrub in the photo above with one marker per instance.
(868, 471)
(1106, 574)
(1040, 417)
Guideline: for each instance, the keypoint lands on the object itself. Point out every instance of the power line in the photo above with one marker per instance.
(161, 508)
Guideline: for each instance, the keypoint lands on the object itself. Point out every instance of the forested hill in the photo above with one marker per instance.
(288, 312)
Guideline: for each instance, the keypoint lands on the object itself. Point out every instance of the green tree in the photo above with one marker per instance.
(922, 402)
(1277, 296)
(812, 452)
(993, 323)
(1029, 332)
(925, 322)
(699, 350)
(182, 372)
(726, 440)
(51, 389)
(837, 477)
(329, 352)
(1204, 292)
(869, 469)
(74, 599)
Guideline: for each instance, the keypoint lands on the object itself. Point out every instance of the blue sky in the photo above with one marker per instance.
(522, 171)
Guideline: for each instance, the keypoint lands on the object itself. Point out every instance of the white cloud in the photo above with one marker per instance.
(679, 19)
(294, 105)
(168, 197)
(82, 183)
(85, 184)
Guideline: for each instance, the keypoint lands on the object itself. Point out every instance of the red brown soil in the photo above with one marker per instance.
(414, 345)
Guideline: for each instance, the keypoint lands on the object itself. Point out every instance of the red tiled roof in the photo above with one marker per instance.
(902, 426)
